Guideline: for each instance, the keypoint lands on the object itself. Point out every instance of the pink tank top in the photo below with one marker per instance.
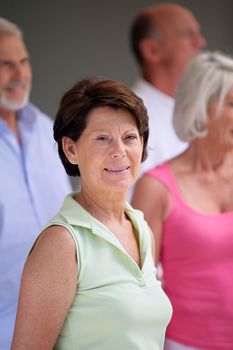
(197, 260)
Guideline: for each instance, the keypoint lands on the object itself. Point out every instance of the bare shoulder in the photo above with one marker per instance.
(52, 261)
(54, 241)
(48, 287)
(150, 192)
(56, 235)
(153, 198)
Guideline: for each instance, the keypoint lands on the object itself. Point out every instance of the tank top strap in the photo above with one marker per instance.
(164, 174)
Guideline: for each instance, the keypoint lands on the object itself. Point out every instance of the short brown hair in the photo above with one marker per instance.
(87, 94)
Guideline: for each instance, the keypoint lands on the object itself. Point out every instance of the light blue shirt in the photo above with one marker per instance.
(33, 185)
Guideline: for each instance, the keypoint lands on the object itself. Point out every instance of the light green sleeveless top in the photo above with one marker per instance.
(117, 305)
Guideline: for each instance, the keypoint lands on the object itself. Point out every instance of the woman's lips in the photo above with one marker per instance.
(117, 170)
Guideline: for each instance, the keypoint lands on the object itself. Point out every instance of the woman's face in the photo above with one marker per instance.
(220, 129)
(109, 150)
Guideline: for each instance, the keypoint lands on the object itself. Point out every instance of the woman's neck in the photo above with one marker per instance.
(202, 155)
(103, 208)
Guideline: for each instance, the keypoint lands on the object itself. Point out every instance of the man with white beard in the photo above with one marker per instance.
(32, 180)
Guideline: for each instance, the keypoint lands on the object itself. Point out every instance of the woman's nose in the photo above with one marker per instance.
(117, 150)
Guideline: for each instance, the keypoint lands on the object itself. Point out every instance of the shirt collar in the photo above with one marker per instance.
(75, 214)
(25, 115)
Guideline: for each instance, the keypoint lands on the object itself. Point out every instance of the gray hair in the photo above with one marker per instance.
(208, 76)
(8, 28)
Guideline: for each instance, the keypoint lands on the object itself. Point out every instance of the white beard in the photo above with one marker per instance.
(12, 106)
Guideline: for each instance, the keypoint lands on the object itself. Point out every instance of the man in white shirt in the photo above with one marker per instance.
(164, 37)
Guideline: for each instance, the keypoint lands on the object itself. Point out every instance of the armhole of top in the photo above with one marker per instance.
(69, 229)
(163, 174)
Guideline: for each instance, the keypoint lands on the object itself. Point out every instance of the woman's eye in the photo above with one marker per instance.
(102, 138)
(131, 137)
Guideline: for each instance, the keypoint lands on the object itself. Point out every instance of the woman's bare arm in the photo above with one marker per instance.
(47, 290)
(154, 200)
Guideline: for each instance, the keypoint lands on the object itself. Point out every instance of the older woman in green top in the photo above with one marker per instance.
(89, 281)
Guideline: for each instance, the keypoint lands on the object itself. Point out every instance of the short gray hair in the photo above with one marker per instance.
(209, 75)
(8, 28)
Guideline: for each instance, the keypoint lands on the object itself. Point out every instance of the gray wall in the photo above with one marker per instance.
(71, 39)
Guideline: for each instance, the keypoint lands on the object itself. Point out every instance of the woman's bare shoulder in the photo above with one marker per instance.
(151, 188)
(55, 239)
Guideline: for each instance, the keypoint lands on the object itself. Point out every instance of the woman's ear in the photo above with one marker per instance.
(69, 148)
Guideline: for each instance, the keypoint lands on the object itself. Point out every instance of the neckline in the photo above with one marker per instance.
(97, 228)
(186, 204)
(100, 229)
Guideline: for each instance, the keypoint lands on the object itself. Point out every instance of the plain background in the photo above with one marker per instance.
(72, 39)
